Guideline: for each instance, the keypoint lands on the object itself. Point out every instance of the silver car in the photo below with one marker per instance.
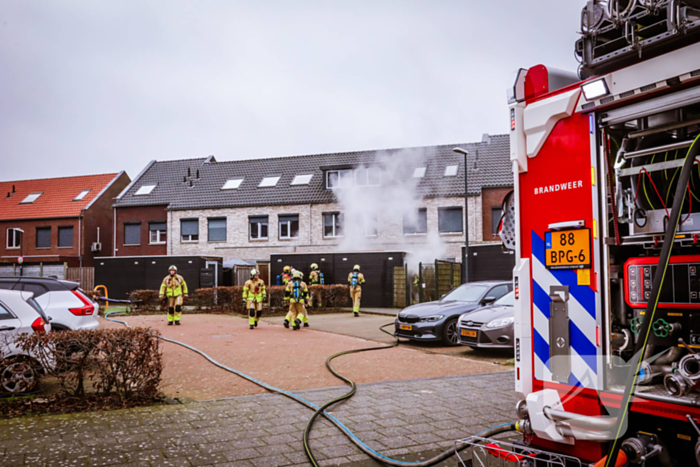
(19, 314)
(489, 327)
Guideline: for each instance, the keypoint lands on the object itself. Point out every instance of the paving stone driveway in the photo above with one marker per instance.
(410, 419)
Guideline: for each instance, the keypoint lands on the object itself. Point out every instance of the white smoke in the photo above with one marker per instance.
(383, 208)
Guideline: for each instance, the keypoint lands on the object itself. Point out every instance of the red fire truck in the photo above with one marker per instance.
(604, 221)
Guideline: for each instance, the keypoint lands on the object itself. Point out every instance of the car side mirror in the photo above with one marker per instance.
(488, 300)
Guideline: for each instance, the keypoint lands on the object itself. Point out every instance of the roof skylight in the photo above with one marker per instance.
(81, 195)
(302, 179)
(31, 198)
(419, 172)
(144, 190)
(232, 184)
(269, 181)
(451, 171)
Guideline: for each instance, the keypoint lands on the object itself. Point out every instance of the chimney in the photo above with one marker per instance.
(188, 171)
(8, 194)
(197, 174)
(184, 179)
(13, 189)
(190, 183)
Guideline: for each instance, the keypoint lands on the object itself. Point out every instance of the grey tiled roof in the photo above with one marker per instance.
(494, 170)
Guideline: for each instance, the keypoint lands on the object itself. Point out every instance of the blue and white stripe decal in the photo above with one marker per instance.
(582, 324)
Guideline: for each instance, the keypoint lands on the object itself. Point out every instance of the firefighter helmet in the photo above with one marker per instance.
(297, 275)
(286, 269)
(254, 272)
(314, 266)
(172, 268)
(356, 267)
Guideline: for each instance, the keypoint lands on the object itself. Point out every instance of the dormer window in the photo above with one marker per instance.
(346, 178)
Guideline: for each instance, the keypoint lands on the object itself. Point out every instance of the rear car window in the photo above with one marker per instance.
(7, 285)
(37, 289)
(5, 313)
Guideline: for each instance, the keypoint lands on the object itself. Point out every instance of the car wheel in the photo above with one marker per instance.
(450, 333)
(19, 376)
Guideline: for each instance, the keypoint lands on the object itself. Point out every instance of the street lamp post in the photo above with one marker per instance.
(466, 208)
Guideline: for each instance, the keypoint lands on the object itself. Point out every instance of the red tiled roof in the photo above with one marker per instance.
(56, 199)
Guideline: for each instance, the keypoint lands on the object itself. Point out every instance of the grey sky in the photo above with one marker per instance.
(100, 86)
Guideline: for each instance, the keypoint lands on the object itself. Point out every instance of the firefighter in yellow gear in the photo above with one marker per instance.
(315, 278)
(254, 294)
(356, 279)
(286, 275)
(297, 295)
(174, 288)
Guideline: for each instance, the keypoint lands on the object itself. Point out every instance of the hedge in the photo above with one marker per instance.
(230, 299)
(125, 364)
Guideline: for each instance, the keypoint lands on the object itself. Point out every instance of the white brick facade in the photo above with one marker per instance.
(390, 235)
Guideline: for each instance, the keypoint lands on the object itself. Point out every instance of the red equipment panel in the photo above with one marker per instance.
(681, 287)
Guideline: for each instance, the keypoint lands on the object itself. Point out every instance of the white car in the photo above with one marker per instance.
(67, 307)
(19, 314)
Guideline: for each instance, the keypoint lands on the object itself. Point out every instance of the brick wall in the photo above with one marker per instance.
(144, 215)
(390, 232)
(101, 216)
(491, 198)
(31, 253)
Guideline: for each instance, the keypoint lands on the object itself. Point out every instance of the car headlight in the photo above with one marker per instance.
(500, 323)
(431, 319)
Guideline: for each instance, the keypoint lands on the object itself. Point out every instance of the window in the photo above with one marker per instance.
(302, 179)
(416, 223)
(232, 184)
(13, 238)
(450, 220)
(189, 230)
(144, 190)
(419, 172)
(5, 313)
(451, 171)
(258, 227)
(132, 234)
(269, 182)
(81, 195)
(371, 223)
(332, 224)
(43, 237)
(498, 291)
(346, 178)
(217, 229)
(496, 212)
(157, 233)
(289, 225)
(31, 198)
(65, 237)
(37, 289)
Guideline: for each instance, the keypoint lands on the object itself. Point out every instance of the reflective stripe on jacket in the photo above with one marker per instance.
(173, 286)
(254, 290)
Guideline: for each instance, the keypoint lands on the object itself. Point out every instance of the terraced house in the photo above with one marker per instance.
(406, 199)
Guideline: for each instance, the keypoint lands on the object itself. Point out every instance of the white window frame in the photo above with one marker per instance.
(14, 234)
(232, 184)
(31, 197)
(144, 190)
(259, 225)
(302, 179)
(451, 170)
(419, 172)
(188, 238)
(269, 181)
(81, 195)
(288, 223)
(337, 218)
(161, 235)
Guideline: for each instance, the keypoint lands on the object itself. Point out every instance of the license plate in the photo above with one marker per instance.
(567, 249)
(467, 333)
(405, 327)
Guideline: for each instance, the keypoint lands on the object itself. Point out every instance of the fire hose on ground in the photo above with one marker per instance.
(322, 409)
